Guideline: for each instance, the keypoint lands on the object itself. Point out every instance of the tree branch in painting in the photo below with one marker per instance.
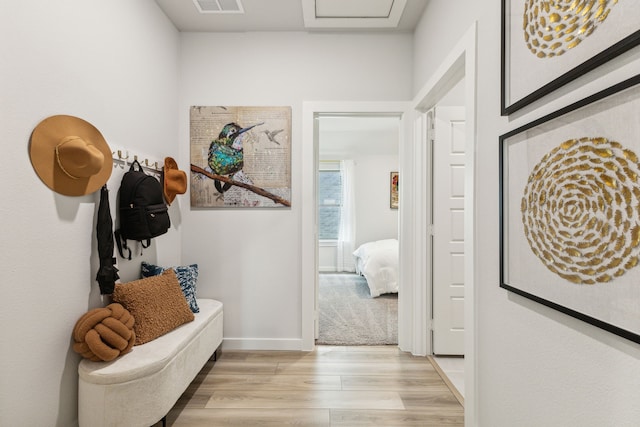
(252, 188)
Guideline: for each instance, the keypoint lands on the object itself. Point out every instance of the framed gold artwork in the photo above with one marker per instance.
(546, 44)
(570, 210)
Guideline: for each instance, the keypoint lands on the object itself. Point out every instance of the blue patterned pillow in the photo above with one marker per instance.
(187, 276)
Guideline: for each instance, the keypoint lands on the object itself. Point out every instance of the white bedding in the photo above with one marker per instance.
(378, 262)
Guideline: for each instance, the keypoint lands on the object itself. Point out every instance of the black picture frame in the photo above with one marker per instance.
(569, 70)
(525, 274)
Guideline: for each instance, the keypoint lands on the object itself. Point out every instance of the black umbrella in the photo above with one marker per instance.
(108, 273)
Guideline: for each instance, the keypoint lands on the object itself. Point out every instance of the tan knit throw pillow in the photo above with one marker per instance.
(156, 303)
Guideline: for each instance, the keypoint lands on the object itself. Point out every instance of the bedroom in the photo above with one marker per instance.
(357, 155)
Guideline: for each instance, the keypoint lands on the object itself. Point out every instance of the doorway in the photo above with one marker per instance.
(447, 146)
(460, 64)
(309, 247)
(447, 211)
(357, 155)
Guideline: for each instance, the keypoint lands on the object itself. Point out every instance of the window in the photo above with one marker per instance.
(329, 200)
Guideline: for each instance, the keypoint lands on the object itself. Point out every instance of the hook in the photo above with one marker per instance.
(119, 161)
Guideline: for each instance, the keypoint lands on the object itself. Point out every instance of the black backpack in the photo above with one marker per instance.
(143, 211)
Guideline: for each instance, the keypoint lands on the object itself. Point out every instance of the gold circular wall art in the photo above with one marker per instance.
(551, 27)
(580, 210)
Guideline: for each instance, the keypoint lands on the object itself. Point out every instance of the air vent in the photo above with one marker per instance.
(218, 6)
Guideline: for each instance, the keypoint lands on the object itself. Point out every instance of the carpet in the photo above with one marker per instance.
(349, 316)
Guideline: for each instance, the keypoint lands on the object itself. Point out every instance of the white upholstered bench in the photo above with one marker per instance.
(140, 387)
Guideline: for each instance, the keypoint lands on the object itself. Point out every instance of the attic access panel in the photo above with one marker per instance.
(352, 13)
(353, 8)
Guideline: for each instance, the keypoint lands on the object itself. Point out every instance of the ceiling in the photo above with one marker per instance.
(339, 135)
(293, 15)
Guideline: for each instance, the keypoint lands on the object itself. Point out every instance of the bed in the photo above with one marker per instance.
(377, 261)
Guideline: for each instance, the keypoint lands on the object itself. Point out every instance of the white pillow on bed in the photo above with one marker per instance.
(364, 251)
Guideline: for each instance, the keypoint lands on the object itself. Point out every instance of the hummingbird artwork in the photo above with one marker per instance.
(226, 155)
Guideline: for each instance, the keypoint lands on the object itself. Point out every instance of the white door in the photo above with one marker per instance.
(448, 231)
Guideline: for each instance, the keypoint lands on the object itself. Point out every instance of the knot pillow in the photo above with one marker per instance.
(103, 334)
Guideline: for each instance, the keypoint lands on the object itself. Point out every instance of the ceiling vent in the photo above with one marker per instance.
(218, 6)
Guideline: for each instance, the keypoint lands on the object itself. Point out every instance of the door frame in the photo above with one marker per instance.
(310, 155)
(460, 62)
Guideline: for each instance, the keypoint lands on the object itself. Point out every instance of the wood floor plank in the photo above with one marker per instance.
(265, 356)
(269, 382)
(326, 353)
(378, 382)
(252, 418)
(305, 399)
(243, 368)
(397, 368)
(365, 357)
(330, 386)
(391, 418)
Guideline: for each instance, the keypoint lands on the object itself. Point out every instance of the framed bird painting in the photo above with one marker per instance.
(240, 157)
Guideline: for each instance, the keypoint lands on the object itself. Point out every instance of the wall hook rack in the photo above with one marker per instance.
(121, 159)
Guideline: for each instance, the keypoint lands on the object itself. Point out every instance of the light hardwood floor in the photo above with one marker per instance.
(331, 386)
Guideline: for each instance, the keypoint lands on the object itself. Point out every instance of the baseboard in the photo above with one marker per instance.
(446, 380)
(262, 344)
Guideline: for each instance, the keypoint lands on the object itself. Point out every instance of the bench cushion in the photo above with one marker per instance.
(151, 357)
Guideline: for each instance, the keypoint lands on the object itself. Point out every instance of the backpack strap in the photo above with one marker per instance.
(136, 166)
(120, 242)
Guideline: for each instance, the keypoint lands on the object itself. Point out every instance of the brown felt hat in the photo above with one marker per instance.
(70, 155)
(174, 180)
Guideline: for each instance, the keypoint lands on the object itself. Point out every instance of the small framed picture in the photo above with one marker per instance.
(570, 217)
(394, 190)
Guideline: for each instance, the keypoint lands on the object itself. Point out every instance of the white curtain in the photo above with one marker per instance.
(347, 232)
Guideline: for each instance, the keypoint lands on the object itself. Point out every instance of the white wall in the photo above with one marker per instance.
(535, 366)
(114, 64)
(375, 219)
(250, 259)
